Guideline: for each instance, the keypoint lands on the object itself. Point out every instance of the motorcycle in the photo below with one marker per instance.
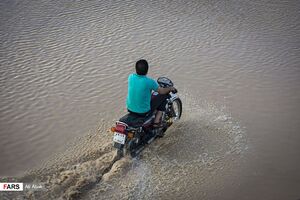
(132, 132)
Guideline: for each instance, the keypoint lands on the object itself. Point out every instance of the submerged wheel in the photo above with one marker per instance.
(120, 153)
(177, 107)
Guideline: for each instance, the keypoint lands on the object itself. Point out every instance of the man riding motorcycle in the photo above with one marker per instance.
(153, 107)
(140, 88)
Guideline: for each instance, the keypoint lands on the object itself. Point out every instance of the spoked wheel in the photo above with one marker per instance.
(177, 107)
(134, 146)
(176, 112)
(120, 153)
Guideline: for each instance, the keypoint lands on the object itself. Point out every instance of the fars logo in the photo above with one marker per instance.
(11, 186)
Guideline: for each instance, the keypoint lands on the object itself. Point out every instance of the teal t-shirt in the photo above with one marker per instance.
(139, 93)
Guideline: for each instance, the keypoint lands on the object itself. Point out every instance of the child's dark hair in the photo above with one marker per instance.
(141, 67)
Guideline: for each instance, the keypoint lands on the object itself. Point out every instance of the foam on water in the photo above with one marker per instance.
(200, 145)
(203, 142)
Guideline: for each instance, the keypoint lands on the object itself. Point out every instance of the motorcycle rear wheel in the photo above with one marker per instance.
(120, 153)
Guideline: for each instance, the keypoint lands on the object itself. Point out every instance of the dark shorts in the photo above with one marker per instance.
(158, 102)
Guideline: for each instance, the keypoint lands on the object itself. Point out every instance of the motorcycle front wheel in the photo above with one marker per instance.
(177, 108)
(176, 112)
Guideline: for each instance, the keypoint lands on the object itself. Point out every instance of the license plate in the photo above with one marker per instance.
(119, 138)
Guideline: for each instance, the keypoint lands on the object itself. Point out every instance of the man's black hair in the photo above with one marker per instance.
(141, 67)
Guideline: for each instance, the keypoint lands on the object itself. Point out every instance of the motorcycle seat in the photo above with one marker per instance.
(134, 120)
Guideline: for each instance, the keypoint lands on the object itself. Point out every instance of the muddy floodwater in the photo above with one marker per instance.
(63, 83)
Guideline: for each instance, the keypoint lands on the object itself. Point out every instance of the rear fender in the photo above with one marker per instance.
(123, 130)
(122, 124)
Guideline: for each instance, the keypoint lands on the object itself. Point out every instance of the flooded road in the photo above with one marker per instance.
(63, 82)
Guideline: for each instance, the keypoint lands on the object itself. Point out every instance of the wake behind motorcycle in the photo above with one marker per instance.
(132, 132)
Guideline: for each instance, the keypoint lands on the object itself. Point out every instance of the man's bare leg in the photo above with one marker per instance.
(158, 117)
